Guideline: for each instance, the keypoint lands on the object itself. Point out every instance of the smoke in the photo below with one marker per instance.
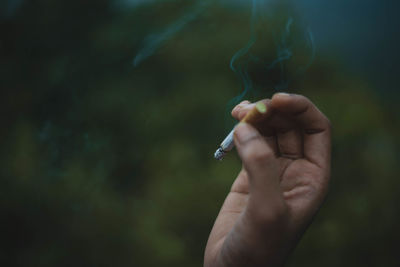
(154, 41)
(241, 70)
(286, 39)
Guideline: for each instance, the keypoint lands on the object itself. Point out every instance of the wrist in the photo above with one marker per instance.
(256, 242)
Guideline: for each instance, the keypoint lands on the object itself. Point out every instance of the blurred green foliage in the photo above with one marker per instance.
(104, 164)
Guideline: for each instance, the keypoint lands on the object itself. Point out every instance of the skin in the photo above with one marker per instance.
(283, 182)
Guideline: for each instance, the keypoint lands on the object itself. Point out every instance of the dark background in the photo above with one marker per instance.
(108, 164)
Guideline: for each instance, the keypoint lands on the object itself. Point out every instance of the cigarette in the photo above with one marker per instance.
(254, 116)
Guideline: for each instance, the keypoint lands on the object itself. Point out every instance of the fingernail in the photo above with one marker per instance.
(283, 94)
(237, 109)
(244, 104)
(244, 132)
(240, 107)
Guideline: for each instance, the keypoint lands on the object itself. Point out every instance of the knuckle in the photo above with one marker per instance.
(258, 155)
(326, 122)
(240, 107)
(242, 113)
(302, 98)
(234, 111)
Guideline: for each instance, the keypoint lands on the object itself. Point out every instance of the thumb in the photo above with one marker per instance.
(258, 160)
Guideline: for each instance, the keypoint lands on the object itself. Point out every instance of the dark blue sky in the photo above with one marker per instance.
(365, 34)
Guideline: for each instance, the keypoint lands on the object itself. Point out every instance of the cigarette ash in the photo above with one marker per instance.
(219, 154)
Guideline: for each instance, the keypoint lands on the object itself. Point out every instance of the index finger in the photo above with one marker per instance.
(314, 124)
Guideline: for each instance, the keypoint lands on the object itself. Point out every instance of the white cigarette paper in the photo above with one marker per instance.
(252, 117)
(227, 145)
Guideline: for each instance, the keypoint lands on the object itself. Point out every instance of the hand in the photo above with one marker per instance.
(285, 177)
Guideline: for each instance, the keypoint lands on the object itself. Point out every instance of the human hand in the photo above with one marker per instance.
(283, 182)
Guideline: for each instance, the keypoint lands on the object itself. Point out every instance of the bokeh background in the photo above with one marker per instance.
(104, 163)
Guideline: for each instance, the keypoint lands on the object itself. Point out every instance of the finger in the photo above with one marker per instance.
(258, 160)
(247, 108)
(237, 108)
(314, 125)
(290, 143)
(241, 110)
(241, 184)
(272, 142)
(244, 110)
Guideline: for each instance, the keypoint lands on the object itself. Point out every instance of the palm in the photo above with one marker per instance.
(298, 181)
(302, 162)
